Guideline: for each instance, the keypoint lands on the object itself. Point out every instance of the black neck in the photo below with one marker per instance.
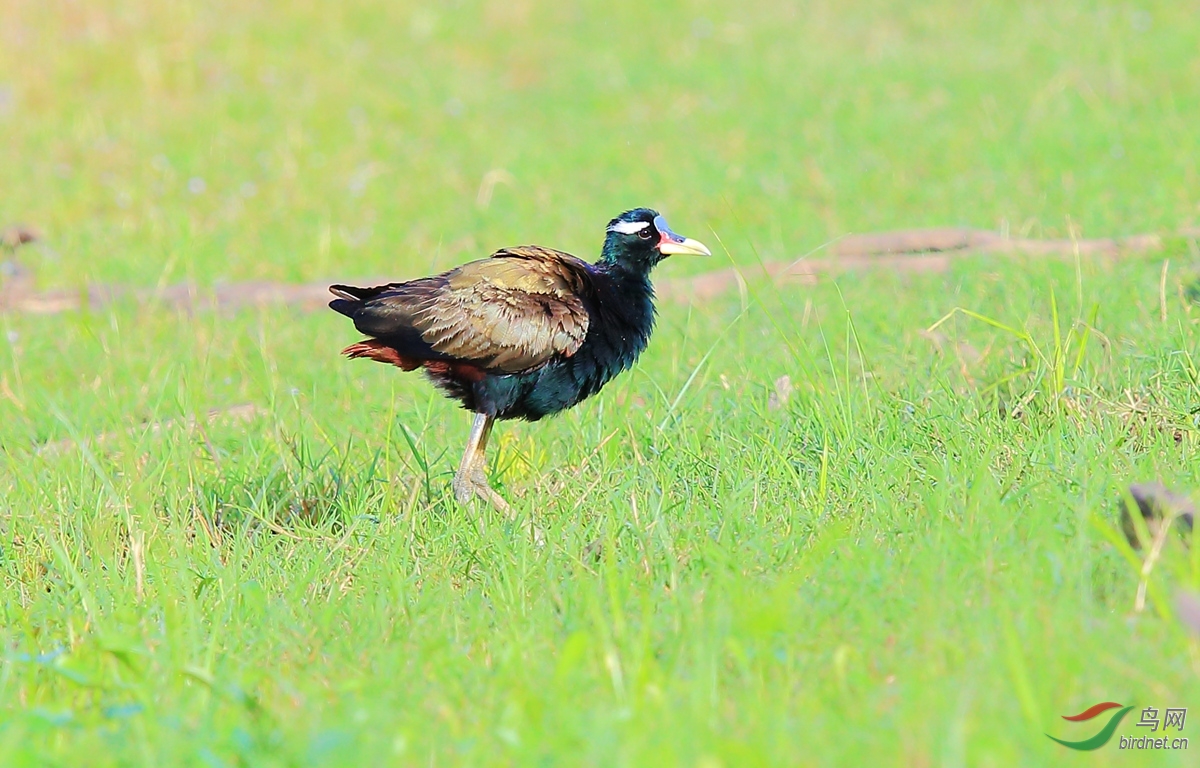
(630, 281)
(614, 256)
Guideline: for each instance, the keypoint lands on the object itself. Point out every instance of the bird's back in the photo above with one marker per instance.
(523, 334)
(506, 314)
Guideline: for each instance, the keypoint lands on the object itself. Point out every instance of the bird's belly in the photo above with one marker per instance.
(554, 387)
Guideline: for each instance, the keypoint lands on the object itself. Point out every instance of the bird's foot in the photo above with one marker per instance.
(488, 494)
(473, 486)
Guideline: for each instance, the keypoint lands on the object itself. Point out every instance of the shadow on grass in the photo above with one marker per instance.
(300, 490)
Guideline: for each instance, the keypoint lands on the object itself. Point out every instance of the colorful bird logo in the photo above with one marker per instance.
(1105, 733)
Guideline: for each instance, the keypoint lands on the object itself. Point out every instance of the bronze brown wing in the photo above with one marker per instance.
(509, 313)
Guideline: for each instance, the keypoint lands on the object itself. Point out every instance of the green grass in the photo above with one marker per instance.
(910, 562)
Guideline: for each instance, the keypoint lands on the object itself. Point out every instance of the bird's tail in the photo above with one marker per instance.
(349, 297)
(380, 352)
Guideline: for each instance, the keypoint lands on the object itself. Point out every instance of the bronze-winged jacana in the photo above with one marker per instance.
(524, 334)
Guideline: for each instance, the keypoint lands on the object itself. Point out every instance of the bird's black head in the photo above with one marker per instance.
(640, 238)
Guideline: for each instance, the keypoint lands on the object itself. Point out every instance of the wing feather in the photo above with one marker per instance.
(511, 313)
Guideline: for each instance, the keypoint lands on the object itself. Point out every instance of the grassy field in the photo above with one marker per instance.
(911, 560)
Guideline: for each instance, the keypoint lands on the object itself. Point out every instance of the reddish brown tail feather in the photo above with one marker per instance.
(454, 369)
(373, 349)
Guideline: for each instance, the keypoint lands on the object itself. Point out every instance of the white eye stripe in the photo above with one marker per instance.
(628, 227)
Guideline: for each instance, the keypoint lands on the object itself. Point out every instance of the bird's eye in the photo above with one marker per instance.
(646, 233)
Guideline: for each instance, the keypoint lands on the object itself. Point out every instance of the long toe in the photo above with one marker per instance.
(485, 491)
(488, 494)
(476, 486)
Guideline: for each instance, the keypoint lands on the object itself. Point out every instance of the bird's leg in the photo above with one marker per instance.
(484, 489)
(471, 478)
(479, 469)
(464, 485)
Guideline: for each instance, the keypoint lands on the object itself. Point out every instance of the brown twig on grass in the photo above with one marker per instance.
(1161, 509)
(242, 412)
(18, 234)
(977, 241)
(914, 250)
(1187, 607)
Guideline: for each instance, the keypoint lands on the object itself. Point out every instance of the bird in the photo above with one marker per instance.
(524, 334)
